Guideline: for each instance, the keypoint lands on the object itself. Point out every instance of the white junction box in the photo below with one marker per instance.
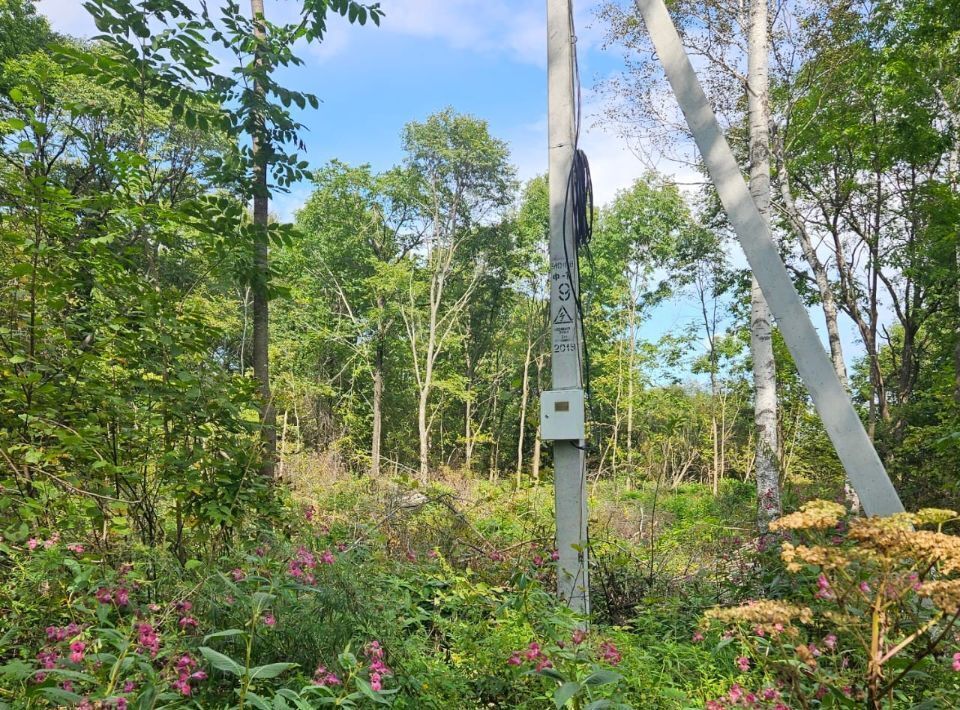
(561, 415)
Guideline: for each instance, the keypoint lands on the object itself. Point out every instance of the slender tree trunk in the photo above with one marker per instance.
(261, 274)
(827, 300)
(524, 395)
(424, 434)
(377, 438)
(468, 411)
(631, 364)
(537, 441)
(761, 326)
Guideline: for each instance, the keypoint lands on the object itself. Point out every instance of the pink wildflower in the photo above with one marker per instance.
(342, 547)
(188, 622)
(537, 560)
(713, 705)
(76, 651)
(609, 653)
(122, 597)
(956, 662)
(375, 683)
(327, 558)
(54, 539)
(830, 641)
(103, 595)
(578, 636)
(270, 620)
(544, 663)
(48, 659)
(309, 512)
(735, 693)
(323, 677)
(148, 639)
(76, 547)
(514, 659)
(238, 574)
(129, 686)
(864, 587)
(533, 651)
(743, 663)
(697, 636)
(554, 555)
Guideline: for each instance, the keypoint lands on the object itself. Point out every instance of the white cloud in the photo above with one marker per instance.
(68, 17)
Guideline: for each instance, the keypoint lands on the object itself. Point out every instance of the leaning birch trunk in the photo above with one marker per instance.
(761, 326)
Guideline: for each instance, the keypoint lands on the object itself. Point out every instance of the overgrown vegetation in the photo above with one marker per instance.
(248, 463)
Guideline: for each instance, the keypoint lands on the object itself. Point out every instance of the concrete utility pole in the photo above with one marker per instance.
(844, 427)
(562, 410)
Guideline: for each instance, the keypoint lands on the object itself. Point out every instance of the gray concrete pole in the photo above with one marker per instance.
(569, 465)
(844, 427)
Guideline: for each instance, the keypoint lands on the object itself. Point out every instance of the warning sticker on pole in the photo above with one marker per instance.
(563, 317)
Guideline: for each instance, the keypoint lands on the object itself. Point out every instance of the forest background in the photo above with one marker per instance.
(172, 359)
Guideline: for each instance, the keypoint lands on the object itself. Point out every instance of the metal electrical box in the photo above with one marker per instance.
(561, 415)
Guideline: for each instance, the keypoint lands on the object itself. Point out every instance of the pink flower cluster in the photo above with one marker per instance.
(148, 638)
(378, 668)
(738, 697)
(33, 543)
(186, 621)
(534, 654)
(185, 674)
(609, 653)
(62, 633)
(956, 662)
(304, 562)
(120, 596)
(323, 677)
(823, 588)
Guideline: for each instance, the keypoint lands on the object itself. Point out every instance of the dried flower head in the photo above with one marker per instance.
(770, 615)
(817, 514)
(934, 516)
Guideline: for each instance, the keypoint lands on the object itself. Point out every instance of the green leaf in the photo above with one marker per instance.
(370, 692)
(221, 662)
(270, 670)
(224, 634)
(257, 701)
(602, 677)
(565, 692)
(26, 147)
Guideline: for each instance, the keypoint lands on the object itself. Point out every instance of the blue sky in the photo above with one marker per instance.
(484, 57)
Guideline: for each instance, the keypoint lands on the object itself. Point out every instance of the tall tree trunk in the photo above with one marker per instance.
(524, 395)
(537, 441)
(827, 300)
(261, 272)
(468, 410)
(761, 326)
(631, 365)
(377, 438)
(424, 434)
